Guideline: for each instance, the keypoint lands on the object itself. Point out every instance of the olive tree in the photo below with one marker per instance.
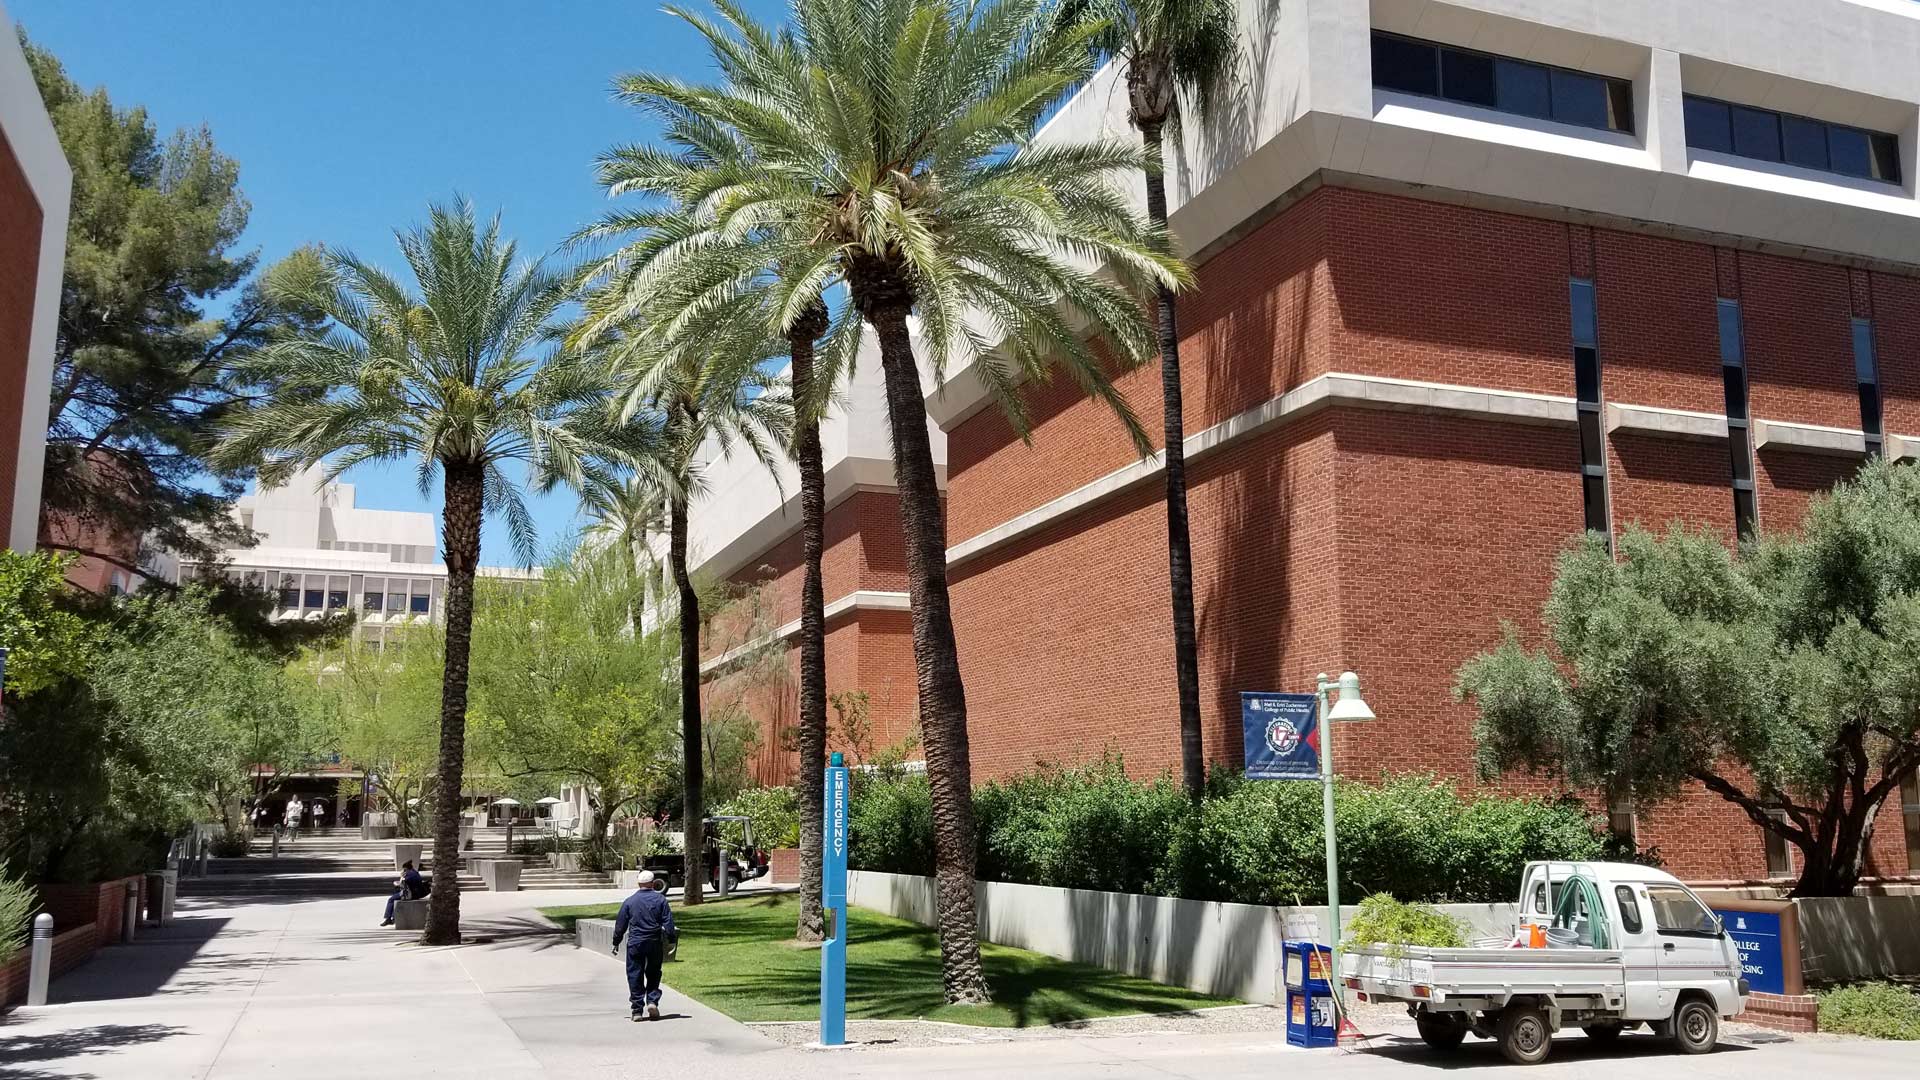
(1784, 679)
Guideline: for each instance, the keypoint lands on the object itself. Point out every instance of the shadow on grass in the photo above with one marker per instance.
(738, 958)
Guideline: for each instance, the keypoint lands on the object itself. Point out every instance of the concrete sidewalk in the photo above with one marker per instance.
(315, 989)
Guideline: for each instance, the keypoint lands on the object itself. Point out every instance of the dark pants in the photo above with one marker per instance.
(643, 972)
(392, 900)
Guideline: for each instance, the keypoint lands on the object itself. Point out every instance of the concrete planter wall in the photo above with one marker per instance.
(499, 875)
(407, 851)
(564, 860)
(1232, 950)
(1847, 938)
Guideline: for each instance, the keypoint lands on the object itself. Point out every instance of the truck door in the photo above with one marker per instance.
(1639, 944)
(1690, 950)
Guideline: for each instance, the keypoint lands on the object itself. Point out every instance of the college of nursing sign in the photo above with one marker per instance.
(1756, 936)
(1281, 736)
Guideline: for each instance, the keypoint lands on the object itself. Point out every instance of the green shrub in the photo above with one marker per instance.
(17, 905)
(774, 811)
(1256, 842)
(230, 845)
(1877, 1010)
(1382, 920)
(890, 822)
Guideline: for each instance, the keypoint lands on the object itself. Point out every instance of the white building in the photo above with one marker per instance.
(319, 553)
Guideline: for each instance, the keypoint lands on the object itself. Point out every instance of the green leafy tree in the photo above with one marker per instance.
(46, 641)
(887, 144)
(1177, 53)
(1786, 681)
(567, 689)
(383, 707)
(456, 374)
(143, 368)
(196, 712)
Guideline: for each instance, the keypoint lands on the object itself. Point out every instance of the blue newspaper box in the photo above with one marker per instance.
(1311, 1018)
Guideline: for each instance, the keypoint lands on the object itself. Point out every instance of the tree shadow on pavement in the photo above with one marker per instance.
(19, 1052)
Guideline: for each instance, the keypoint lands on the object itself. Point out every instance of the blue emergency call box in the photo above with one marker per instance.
(1306, 969)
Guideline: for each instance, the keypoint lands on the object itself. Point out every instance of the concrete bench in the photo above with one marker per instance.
(410, 914)
(499, 875)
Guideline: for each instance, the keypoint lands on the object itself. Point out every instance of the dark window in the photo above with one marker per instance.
(1678, 912)
(1733, 376)
(1629, 908)
(1467, 78)
(1709, 125)
(419, 605)
(289, 598)
(1581, 99)
(1593, 490)
(1804, 142)
(1586, 373)
(1756, 133)
(1851, 151)
(336, 598)
(312, 599)
(1866, 370)
(1779, 857)
(1765, 135)
(1586, 323)
(1524, 89)
(1402, 64)
(372, 601)
(1496, 82)
(1592, 448)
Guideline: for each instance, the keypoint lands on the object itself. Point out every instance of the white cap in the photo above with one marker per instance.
(646, 877)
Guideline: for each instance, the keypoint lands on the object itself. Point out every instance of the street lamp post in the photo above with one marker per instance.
(1350, 707)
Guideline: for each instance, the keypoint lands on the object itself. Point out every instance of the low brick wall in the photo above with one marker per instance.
(70, 950)
(783, 867)
(102, 904)
(1783, 1012)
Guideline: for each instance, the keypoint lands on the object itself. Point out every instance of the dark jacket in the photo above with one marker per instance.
(412, 885)
(645, 913)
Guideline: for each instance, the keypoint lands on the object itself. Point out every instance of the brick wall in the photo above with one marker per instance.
(70, 949)
(1391, 543)
(20, 224)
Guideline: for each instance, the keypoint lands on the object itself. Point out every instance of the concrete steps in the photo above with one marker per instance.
(340, 863)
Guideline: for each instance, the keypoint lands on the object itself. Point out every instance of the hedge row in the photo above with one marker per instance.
(1249, 841)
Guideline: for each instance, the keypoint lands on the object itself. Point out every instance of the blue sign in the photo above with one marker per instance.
(1756, 935)
(1281, 734)
(833, 897)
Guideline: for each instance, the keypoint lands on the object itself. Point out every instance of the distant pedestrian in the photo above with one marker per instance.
(318, 808)
(646, 921)
(292, 816)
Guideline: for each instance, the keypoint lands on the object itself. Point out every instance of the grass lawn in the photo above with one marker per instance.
(739, 957)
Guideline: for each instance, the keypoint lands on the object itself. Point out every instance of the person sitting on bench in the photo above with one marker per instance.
(408, 886)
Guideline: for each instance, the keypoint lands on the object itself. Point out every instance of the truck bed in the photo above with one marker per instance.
(1437, 975)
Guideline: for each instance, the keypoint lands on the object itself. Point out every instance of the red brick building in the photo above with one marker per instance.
(1468, 284)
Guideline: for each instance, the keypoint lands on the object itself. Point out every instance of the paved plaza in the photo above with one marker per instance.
(284, 987)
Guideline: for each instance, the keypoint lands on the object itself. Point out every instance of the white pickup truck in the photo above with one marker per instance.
(1628, 945)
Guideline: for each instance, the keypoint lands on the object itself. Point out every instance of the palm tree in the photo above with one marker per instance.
(627, 512)
(887, 143)
(707, 386)
(1170, 48)
(711, 268)
(454, 375)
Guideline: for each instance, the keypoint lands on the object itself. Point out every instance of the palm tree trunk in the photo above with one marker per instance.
(1186, 645)
(813, 628)
(460, 536)
(884, 299)
(692, 754)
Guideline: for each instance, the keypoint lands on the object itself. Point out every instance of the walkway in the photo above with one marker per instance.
(272, 987)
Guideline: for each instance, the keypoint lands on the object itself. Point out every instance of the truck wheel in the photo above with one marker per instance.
(1524, 1034)
(1696, 1027)
(1440, 1032)
(1604, 1033)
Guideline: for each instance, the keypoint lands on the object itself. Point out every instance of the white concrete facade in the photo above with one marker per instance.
(23, 119)
(1302, 108)
(319, 552)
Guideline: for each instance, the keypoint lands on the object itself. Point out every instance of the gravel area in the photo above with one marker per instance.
(883, 1034)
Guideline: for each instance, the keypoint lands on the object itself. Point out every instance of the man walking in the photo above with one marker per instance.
(646, 921)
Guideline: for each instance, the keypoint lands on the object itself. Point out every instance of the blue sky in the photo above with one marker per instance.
(349, 116)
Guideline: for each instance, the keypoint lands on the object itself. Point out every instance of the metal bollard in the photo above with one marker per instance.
(130, 914)
(721, 877)
(40, 964)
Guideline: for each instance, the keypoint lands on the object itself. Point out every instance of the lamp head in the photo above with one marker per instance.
(1350, 706)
